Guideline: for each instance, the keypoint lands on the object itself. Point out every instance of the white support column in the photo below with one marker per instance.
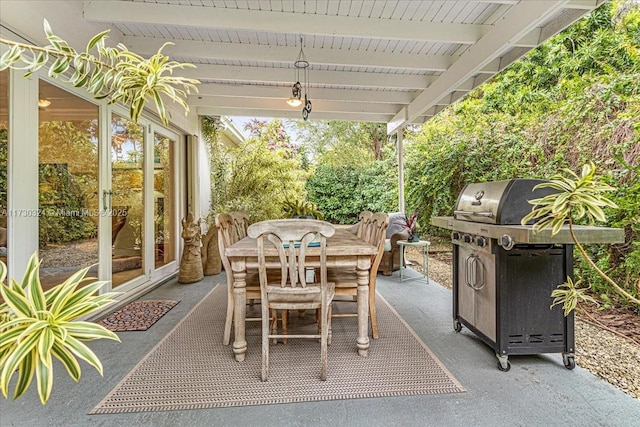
(193, 173)
(400, 135)
(22, 173)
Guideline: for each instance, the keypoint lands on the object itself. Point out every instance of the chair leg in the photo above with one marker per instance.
(319, 322)
(285, 323)
(274, 324)
(372, 314)
(226, 338)
(329, 323)
(265, 341)
(324, 337)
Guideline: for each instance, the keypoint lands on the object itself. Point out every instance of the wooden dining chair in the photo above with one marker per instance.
(240, 224)
(347, 280)
(227, 236)
(290, 290)
(363, 224)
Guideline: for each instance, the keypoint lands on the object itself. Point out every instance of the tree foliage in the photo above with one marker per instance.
(356, 168)
(573, 100)
(338, 143)
(258, 177)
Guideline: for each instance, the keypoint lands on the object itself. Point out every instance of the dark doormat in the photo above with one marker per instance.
(137, 315)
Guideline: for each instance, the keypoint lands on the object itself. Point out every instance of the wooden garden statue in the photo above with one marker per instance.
(191, 262)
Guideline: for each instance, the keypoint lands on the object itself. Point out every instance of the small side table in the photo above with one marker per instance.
(424, 244)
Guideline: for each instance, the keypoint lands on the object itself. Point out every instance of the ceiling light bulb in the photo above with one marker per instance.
(43, 103)
(294, 102)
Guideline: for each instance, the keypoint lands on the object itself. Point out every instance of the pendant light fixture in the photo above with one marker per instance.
(301, 66)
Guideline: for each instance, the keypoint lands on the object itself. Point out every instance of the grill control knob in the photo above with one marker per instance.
(507, 242)
(455, 235)
(481, 241)
(466, 238)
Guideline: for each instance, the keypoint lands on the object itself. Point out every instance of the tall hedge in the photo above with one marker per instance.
(574, 99)
(343, 191)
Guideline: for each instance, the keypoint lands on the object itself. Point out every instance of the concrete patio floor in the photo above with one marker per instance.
(537, 391)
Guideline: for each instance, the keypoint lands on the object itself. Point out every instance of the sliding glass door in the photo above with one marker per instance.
(124, 200)
(89, 188)
(68, 163)
(141, 199)
(164, 212)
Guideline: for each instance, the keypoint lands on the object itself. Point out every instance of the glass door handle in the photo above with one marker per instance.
(106, 194)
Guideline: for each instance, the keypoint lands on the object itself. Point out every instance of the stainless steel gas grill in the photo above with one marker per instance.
(504, 273)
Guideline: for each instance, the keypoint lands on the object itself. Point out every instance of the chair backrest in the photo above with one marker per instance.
(291, 237)
(365, 219)
(377, 234)
(240, 224)
(226, 238)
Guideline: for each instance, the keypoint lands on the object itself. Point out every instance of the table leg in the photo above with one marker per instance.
(425, 261)
(362, 341)
(401, 262)
(239, 314)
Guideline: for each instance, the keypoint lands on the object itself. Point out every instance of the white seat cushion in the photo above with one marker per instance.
(387, 245)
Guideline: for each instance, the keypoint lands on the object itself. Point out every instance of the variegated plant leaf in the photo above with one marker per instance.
(42, 325)
(131, 79)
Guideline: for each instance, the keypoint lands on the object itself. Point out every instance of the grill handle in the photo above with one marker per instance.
(486, 214)
(474, 270)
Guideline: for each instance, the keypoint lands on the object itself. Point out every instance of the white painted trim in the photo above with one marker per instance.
(400, 144)
(296, 23)
(104, 199)
(285, 54)
(22, 172)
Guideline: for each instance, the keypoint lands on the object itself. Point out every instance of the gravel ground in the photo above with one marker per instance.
(605, 354)
(74, 254)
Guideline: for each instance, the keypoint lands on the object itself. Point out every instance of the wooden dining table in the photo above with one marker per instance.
(344, 250)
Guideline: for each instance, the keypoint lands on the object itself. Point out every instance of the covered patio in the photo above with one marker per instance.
(538, 390)
(398, 63)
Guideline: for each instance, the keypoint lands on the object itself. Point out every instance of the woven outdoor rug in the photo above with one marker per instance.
(191, 369)
(137, 315)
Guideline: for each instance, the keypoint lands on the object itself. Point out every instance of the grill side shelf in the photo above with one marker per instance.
(526, 234)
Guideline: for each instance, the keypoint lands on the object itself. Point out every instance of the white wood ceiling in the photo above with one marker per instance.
(396, 62)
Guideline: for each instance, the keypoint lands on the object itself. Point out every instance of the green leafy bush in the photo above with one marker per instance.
(342, 192)
(573, 100)
(257, 177)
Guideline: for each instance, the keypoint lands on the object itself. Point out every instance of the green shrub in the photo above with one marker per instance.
(573, 100)
(341, 192)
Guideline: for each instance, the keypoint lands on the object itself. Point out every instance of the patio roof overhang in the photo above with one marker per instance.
(395, 62)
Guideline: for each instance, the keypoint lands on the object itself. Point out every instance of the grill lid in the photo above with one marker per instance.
(498, 202)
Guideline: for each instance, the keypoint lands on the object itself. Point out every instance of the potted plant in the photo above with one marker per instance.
(37, 326)
(302, 209)
(411, 224)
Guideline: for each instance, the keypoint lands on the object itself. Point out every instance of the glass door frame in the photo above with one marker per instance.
(150, 273)
(22, 182)
(164, 270)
